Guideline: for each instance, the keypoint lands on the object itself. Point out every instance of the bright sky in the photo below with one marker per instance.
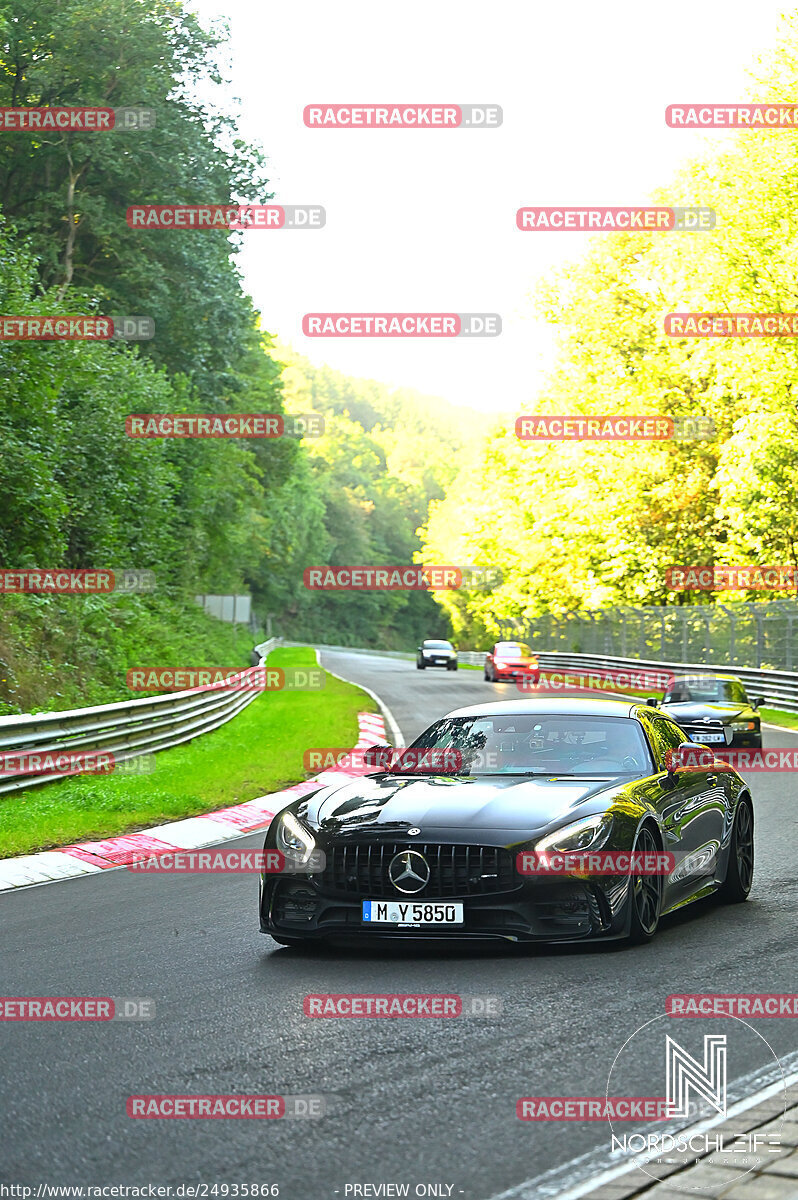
(424, 220)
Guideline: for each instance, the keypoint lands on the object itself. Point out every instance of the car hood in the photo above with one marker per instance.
(690, 711)
(509, 806)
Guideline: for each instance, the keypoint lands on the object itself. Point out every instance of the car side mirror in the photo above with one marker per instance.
(668, 781)
(652, 702)
(755, 703)
(692, 755)
(378, 757)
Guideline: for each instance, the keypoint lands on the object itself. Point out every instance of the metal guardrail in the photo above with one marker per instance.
(780, 688)
(126, 729)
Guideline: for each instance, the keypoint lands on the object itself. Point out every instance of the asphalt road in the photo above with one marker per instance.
(412, 1101)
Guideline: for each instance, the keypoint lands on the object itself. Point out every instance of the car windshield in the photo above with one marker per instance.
(527, 744)
(515, 649)
(437, 645)
(707, 691)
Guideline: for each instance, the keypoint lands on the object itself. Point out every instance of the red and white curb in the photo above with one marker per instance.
(86, 858)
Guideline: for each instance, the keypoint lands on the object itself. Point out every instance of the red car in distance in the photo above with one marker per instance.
(511, 660)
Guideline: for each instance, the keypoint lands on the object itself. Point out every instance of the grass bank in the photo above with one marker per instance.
(259, 751)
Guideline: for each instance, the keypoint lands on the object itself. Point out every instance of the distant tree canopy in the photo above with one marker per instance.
(397, 477)
(578, 525)
(205, 515)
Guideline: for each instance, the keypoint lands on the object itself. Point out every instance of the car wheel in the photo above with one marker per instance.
(452, 667)
(486, 676)
(645, 894)
(740, 870)
(420, 666)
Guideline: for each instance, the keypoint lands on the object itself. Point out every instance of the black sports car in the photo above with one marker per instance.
(413, 853)
(697, 702)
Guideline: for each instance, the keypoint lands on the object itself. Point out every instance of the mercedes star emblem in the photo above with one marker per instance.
(408, 871)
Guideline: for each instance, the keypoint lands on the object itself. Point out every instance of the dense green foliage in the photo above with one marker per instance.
(580, 525)
(397, 477)
(204, 515)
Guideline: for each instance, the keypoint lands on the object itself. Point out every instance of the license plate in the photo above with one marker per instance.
(411, 912)
(707, 737)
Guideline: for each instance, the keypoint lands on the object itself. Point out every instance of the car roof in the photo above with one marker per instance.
(557, 706)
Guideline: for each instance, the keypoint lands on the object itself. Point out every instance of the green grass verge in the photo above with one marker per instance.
(62, 652)
(774, 716)
(259, 751)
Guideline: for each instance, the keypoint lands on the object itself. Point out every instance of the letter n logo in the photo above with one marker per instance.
(683, 1072)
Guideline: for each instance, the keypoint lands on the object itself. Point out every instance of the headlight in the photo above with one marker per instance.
(293, 839)
(497, 662)
(737, 725)
(588, 834)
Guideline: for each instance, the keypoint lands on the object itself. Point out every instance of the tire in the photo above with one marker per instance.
(645, 894)
(486, 676)
(421, 666)
(740, 869)
(452, 668)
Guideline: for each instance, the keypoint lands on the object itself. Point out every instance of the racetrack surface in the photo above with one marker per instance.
(414, 1101)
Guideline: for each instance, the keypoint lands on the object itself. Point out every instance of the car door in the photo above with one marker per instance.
(692, 813)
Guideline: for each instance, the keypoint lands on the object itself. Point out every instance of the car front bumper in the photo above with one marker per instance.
(545, 911)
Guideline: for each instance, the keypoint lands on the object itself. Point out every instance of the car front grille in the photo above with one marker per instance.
(455, 870)
(691, 728)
